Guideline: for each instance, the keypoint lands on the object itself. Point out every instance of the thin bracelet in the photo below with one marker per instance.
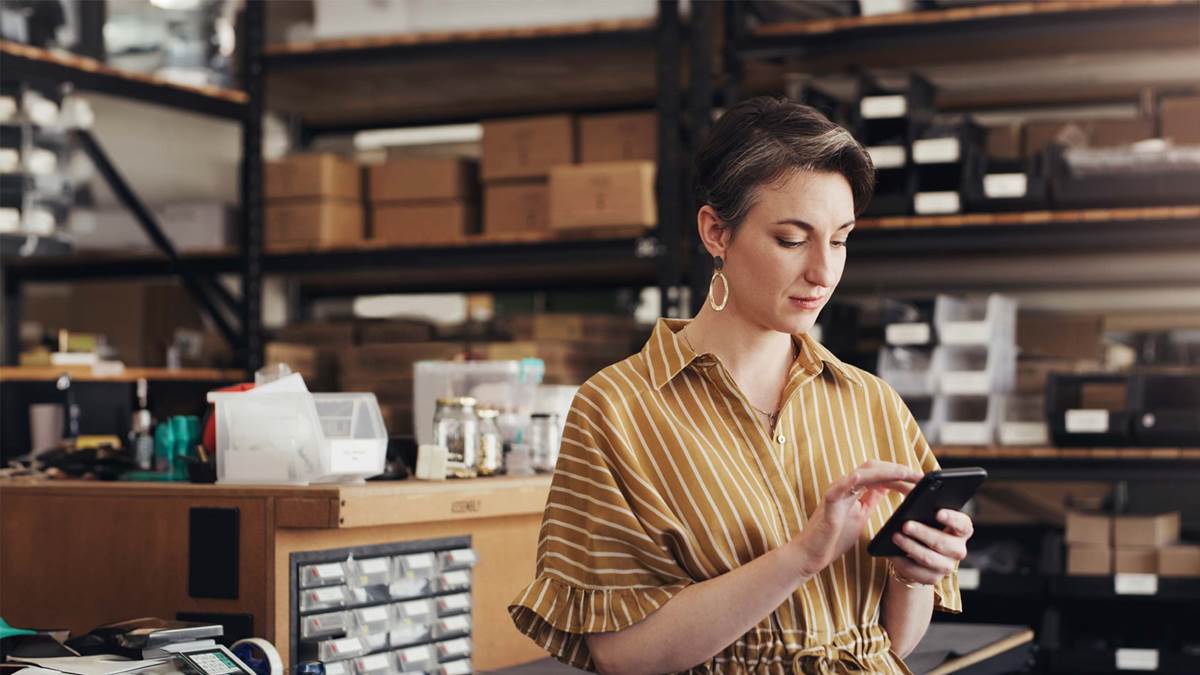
(907, 583)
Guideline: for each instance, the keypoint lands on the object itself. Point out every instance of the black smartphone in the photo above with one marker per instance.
(945, 489)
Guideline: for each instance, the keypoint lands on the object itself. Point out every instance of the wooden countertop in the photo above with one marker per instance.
(335, 506)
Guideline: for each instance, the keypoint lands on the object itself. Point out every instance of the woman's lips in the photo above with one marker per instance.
(806, 303)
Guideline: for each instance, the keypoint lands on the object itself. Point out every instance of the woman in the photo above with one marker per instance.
(715, 493)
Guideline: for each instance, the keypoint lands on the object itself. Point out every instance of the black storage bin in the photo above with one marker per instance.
(994, 184)
(908, 323)
(1168, 410)
(887, 131)
(943, 153)
(1119, 177)
(1090, 410)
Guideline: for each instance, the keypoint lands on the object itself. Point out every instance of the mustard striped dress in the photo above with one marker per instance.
(666, 478)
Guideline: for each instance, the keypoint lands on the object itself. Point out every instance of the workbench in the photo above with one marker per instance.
(77, 554)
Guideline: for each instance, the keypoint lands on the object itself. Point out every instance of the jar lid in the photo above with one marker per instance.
(463, 401)
(543, 415)
(485, 412)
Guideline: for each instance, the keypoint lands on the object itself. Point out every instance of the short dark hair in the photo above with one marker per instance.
(764, 139)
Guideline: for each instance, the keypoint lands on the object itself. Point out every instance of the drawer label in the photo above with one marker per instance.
(1087, 421)
(968, 578)
(1135, 584)
(1137, 659)
(908, 333)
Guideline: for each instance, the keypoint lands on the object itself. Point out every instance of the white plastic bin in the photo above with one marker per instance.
(921, 408)
(506, 385)
(909, 371)
(967, 420)
(1023, 421)
(975, 370)
(990, 321)
(297, 437)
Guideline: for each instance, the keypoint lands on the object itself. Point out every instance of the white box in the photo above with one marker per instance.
(976, 321)
(974, 370)
(909, 371)
(1023, 421)
(967, 420)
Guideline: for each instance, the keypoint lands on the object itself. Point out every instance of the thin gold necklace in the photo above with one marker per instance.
(773, 417)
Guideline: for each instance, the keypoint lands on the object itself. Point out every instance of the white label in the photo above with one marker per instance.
(348, 455)
(462, 667)
(10, 159)
(325, 595)
(372, 615)
(454, 579)
(880, 107)
(965, 383)
(966, 433)
(455, 624)
(1135, 584)
(454, 647)
(1087, 421)
(934, 203)
(908, 333)
(1024, 433)
(1005, 185)
(373, 662)
(1137, 659)
(415, 608)
(936, 150)
(8, 108)
(373, 566)
(887, 156)
(347, 646)
(415, 655)
(454, 602)
(968, 578)
(964, 332)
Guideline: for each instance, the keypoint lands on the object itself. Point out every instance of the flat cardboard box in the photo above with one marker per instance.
(1033, 372)
(516, 207)
(312, 175)
(568, 326)
(422, 179)
(316, 222)
(617, 137)
(1065, 335)
(1097, 133)
(611, 194)
(301, 358)
(1136, 560)
(1103, 396)
(526, 147)
(322, 333)
(445, 222)
(1004, 142)
(1180, 560)
(1034, 502)
(393, 361)
(1179, 117)
(1108, 133)
(1093, 529)
(1089, 560)
(1154, 530)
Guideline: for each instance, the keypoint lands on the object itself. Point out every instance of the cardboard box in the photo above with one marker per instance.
(1180, 560)
(423, 223)
(516, 207)
(318, 223)
(1137, 560)
(527, 147)
(611, 194)
(1103, 395)
(1065, 335)
(1093, 529)
(617, 137)
(387, 332)
(1108, 133)
(422, 179)
(325, 334)
(1097, 133)
(1033, 372)
(312, 175)
(605, 328)
(1180, 119)
(393, 361)
(1004, 142)
(1035, 136)
(1034, 502)
(1088, 560)
(1147, 531)
(301, 358)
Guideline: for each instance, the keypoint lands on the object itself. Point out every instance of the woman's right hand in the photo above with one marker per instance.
(842, 514)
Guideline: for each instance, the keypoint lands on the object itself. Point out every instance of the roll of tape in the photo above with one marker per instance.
(260, 655)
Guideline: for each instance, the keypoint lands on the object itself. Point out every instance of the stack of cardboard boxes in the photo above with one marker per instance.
(1099, 544)
(516, 161)
(418, 200)
(312, 201)
(386, 369)
(573, 346)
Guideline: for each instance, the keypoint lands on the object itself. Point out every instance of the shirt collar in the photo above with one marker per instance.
(667, 354)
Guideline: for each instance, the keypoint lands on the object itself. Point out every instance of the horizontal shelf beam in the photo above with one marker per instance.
(24, 62)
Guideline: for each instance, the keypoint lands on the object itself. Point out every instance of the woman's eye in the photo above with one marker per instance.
(840, 244)
(786, 243)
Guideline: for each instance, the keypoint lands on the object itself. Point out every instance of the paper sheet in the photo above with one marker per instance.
(86, 665)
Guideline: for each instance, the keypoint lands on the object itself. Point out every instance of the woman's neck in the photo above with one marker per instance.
(747, 350)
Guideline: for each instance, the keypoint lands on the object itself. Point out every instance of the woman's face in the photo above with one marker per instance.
(788, 254)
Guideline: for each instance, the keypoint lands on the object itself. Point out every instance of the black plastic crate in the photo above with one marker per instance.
(1090, 410)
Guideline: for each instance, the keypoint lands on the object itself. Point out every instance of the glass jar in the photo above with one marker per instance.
(543, 441)
(490, 458)
(456, 428)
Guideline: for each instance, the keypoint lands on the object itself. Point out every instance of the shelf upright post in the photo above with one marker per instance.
(10, 297)
(669, 179)
(701, 43)
(251, 351)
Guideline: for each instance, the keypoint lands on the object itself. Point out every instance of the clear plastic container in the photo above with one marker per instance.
(504, 385)
(457, 559)
(453, 649)
(459, 624)
(329, 597)
(975, 370)
(990, 321)
(372, 620)
(419, 658)
(456, 580)
(456, 667)
(375, 664)
(1023, 421)
(325, 625)
(341, 648)
(363, 572)
(909, 371)
(448, 605)
(339, 668)
(968, 420)
(324, 574)
(297, 437)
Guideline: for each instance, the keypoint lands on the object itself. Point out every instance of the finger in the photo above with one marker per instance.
(923, 555)
(883, 473)
(872, 499)
(949, 545)
(956, 522)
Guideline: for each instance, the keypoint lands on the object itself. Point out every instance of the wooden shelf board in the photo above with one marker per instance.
(84, 374)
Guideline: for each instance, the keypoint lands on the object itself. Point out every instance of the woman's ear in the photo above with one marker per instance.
(713, 233)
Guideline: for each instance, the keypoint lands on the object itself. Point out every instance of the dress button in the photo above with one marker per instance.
(781, 439)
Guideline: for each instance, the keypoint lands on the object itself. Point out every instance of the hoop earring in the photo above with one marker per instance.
(718, 266)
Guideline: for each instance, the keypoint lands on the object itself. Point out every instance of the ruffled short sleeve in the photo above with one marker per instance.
(599, 567)
(946, 596)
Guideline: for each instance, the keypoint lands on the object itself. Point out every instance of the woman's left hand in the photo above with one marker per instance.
(931, 553)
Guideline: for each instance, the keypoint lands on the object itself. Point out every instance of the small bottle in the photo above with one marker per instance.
(141, 438)
(543, 441)
(490, 458)
(456, 428)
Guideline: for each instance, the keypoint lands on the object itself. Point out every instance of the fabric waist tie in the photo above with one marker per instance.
(827, 660)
